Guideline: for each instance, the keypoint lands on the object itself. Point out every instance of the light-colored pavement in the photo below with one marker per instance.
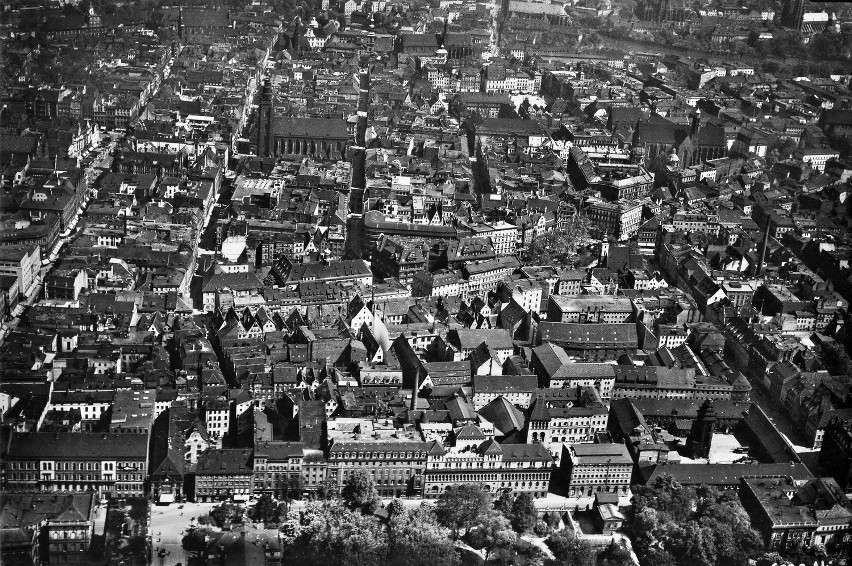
(100, 519)
(168, 525)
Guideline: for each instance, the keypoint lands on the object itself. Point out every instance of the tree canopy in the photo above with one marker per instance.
(561, 246)
(329, 532)
(266, 510)
(833, 357)
(195, 540)
(460, 507)
(492, 532)
(523, 516)
(359, 492)
(225, 513)
(674, 524)
(570, 550)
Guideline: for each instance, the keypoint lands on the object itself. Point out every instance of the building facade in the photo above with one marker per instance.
(474, 458)
(597, 468)
(397, 467)
(111, 464)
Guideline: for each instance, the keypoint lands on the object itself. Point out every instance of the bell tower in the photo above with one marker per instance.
(264, 120)
(701, 435)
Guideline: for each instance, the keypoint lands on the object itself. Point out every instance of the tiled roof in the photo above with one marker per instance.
(489, 384)
(79, 445)
(225, 462)
(590, 336)
(317, 128)
(525, 453)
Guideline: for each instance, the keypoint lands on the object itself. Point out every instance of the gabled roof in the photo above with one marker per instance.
(525, 453)
(490, 447)
(106, 446)
(469, 432)
(590, 336)
(503, 415)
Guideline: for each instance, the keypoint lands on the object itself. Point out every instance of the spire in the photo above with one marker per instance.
(763, 247)
(444, 32)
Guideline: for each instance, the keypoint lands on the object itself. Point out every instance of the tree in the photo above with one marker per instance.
(561, 246)
(265, 510)
(673, 524)
(327, 490)
(492, 532)
(359, 492)
(615, 555)
(461, 507)
(195, 540)
(503, 504)
(294, 488)
(780, 148)
(416, 539)
(523, 513)
(570, 550)
(524, 109)
(226, 513)
(552, 520)
(834, 358)
(330, 533)
(395, 508)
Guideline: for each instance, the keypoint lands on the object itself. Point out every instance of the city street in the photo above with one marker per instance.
(793, 432)
(34, 292)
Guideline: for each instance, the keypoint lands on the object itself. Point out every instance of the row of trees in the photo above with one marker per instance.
(349, 528)
(834, 358)
(331, 532)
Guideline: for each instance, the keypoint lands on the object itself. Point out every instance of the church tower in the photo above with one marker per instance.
(701, 435)
(180, 23)
(264, 120)
(792, 14)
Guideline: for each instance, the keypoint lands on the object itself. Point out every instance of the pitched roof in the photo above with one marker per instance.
(316, 128)
(525, 453)
(225, 462)
(23, 510)
(469, 432)
(590, 336)
(79, 445)
(503, 415)
(469, 338)
(490, 384)
(17, 144)
(236, 281)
